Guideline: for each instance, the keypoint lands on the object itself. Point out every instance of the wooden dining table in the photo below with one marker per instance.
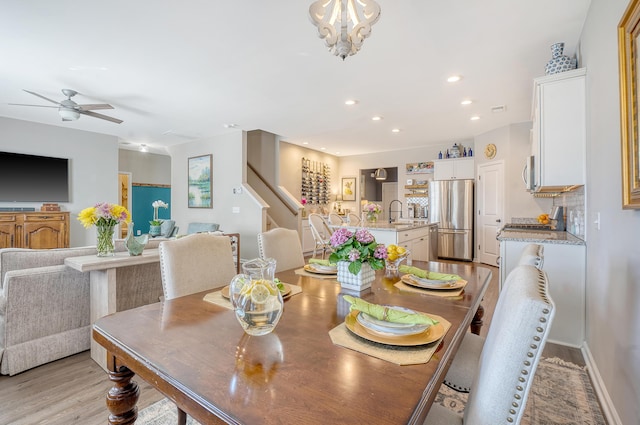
(197, 354)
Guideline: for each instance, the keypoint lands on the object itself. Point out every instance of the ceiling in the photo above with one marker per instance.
(180, 71)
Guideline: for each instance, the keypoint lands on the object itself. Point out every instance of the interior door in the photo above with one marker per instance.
(490, 210)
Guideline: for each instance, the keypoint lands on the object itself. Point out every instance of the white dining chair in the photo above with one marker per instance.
(284, 246)
(195, 263)
(321, 232)
(335, 219)
(465, 365)
(517, 335)
(353, 219)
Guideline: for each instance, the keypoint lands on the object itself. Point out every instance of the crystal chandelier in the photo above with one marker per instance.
(344, 24)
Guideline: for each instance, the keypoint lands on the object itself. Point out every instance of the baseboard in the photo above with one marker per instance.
(608, 409)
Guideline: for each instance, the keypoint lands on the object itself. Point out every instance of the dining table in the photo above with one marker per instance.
(195, 352)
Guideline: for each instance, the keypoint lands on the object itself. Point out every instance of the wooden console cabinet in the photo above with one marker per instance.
(35, 230)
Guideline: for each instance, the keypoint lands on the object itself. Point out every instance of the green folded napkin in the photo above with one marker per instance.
(388, 314)
(424, 274)
(321, 262)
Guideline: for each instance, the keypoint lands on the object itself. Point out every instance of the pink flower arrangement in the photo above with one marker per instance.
(303, 201)
(357, 248)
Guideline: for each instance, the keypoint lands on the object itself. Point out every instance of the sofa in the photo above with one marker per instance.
(44, 305)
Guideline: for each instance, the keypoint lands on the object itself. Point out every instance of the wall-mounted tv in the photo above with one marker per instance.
(32, 178)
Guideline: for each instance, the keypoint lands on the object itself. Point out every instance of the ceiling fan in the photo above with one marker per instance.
(70, 110)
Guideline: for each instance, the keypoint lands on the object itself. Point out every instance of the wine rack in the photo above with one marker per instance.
(316, 182)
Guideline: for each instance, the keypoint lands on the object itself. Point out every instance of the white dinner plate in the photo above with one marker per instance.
(390, 328)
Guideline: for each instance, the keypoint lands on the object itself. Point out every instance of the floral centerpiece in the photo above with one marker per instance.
(303, 201)
(357, 255)
(105, 217)
(372, 210)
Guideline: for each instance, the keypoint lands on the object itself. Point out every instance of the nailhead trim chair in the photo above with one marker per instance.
(517, 335)
(465, 364)
(195, 263)
(284, 246)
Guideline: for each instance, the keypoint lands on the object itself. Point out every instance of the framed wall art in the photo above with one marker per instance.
(200, 181)
(348, 188)
(629, 60)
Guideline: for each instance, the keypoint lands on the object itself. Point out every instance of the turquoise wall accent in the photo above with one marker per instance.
(141, 209)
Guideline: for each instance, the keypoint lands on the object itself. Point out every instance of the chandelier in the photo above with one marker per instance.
(344, 24)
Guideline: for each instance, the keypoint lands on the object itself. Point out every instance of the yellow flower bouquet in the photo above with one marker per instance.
(105, 217)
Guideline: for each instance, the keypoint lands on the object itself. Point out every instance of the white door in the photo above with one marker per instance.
(389, 193)
(490, 190)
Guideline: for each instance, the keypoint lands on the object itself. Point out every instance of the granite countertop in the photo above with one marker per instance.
(397, 226)
(540, 236)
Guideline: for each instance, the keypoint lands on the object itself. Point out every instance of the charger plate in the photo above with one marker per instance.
(385, 328)
(412, 280)
(313, 269)
(285, 293)
(431, 334)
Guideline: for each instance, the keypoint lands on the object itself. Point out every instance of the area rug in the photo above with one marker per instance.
(561, 394)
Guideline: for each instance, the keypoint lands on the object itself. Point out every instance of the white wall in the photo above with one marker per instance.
(145, 167)
(613, 252)
(93, 166)
(228, 173)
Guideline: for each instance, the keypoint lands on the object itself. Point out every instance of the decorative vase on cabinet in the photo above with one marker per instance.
(559, 62)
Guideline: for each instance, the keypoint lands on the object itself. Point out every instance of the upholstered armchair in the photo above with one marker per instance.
(284, 246)
(517, 335)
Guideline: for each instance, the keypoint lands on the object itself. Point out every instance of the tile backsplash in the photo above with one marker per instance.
(574, 206)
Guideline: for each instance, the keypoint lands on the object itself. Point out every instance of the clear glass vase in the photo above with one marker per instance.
(104, 243)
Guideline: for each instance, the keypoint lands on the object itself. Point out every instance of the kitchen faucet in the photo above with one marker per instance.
(398, 211)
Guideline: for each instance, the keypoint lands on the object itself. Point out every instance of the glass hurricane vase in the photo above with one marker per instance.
(105, 246)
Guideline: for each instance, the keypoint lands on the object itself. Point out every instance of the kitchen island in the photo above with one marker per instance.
(565, 265)
(414, 235)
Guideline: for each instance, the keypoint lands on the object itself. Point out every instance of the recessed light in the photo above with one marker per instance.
(454, 78)
(305, 143)
(376, 118)
(396, 130)
(337, 152)
(475, 118)
(350, 102)
(466, 102)
(323, 149)
(143, 148)
(230, 125)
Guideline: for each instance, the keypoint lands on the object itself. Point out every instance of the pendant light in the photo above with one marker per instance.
(380, 174)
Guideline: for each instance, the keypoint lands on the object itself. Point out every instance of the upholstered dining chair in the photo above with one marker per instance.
(283, 245)
(353, 219)
(195, 263)
(321, 233)
(465, 364)
(335, 219)
(517, 335)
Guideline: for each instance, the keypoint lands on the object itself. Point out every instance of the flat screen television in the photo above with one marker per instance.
(32, 178)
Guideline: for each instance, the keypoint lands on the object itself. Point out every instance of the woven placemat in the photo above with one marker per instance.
(217, 298)
(340, 335)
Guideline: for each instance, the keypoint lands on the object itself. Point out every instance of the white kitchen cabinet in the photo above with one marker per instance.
(559, 130)
(454, 169)
(416, 241)
(565, 268)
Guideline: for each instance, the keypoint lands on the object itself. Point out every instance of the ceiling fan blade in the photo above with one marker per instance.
(39, 106)
(89, 107)
(42, 97)
(104, 117)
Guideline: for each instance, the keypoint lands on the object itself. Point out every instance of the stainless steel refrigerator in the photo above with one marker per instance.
(451, 206)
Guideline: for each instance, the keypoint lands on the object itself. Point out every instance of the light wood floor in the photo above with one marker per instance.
(72, 390)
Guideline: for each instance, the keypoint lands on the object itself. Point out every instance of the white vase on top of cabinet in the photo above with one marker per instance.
(559, 130)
